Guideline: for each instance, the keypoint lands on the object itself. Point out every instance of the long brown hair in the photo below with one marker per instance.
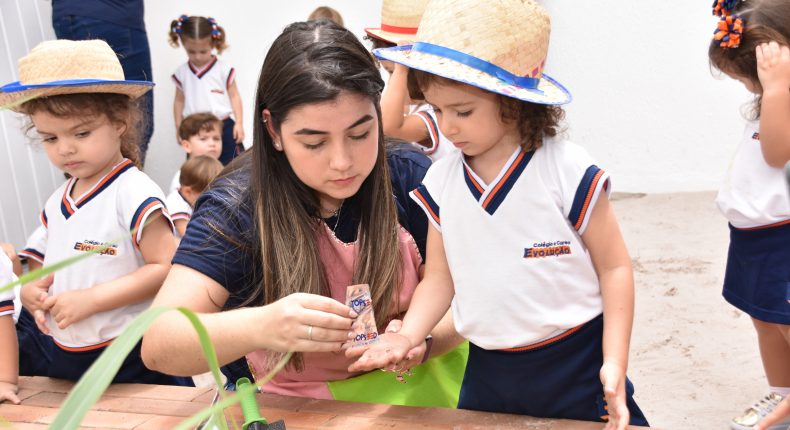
(314, 62)
(764, 21)
(118, 108)
(535, 121)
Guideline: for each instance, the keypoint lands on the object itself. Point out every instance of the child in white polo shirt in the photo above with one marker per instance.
(524, 244)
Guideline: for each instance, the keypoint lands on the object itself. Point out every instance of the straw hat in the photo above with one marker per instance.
(500, 46)
(399, 20)
(65, 67)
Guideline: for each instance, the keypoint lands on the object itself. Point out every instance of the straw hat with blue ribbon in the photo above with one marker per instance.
(399, 20)
(58, 67)
(497, 45)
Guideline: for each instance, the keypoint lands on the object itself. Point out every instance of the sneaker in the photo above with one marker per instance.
(757, 412)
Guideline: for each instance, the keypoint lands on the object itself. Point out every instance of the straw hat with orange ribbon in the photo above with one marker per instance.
(399, 20)
(58, 67)
(500, 46)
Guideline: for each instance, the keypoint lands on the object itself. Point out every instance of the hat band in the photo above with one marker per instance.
(478, 64)
(399, 30)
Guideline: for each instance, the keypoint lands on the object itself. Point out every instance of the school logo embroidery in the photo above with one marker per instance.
(216, 91)
(548, 249)
(92, 245)
(756, 136)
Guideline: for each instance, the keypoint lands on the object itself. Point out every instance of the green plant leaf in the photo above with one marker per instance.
(99, 376)
(233, 399)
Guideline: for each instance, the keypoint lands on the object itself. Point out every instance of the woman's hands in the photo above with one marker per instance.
(305, 323)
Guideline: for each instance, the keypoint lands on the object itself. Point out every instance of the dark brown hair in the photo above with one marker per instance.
(197, 122)
(326, 12)
(316, 62)
(198, 172)
(535, 121)
(197, 27)
(117, 108)
(764, 21)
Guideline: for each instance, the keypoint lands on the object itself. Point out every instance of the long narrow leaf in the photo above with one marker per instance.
(231, 400)
(99, 376)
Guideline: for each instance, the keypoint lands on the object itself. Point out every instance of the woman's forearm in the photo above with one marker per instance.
(172, 346)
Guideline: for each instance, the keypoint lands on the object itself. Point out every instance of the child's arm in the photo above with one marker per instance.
(393, 101)
(428, 305)
(773, 69)
(9, 251)
(178, 108)
(616, 278)
(9, 360)
(181, 226)
(157, 247)
(235, 103)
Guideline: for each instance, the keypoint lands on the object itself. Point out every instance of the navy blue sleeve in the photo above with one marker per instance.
(408, 166)
(219, 240)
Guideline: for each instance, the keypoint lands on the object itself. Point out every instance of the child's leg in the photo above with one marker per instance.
(774, 340)
(229, 147)
(35, 348)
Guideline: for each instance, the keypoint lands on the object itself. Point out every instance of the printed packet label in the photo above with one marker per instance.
(364, 327)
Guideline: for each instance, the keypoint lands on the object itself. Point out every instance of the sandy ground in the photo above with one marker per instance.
(694, 357)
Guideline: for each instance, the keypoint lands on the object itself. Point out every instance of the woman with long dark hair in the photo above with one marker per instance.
(316, 206)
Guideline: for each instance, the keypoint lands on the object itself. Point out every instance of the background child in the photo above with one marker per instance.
(524, 242)
(751, 46)
(326, 12)
(84, 112)
(399, 22)
(196, 174)
(9, 356)
(199, 134)
(204, 83)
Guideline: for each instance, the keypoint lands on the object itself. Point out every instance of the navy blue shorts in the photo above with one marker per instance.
(230, 149)
(757, 280)
(39, 355)
(557, 380)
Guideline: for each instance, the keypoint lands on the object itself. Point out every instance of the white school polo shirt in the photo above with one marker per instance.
(440, 145)
(120, 202)
(754, 194)
(514, 248)
(206, 89)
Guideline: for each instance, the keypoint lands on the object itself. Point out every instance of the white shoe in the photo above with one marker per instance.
(757, 412)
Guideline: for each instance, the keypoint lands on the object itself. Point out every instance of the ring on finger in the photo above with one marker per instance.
(309, 332)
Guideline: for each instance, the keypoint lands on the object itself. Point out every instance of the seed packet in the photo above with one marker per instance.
(364, 327)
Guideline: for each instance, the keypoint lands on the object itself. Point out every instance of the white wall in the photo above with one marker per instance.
(645, 103)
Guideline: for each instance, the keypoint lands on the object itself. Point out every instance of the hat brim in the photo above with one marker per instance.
(390, 37)
(549, 91)
(16, 93)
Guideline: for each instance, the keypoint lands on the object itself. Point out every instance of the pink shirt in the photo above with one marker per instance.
(320, 367)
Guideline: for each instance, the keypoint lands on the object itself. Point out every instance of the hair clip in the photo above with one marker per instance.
(729, 30)
(724, 7)
(181, 19)
(214, 29)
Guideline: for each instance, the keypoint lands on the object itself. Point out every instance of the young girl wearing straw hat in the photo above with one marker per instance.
(83, 110)
(524, 244)
(752, 45)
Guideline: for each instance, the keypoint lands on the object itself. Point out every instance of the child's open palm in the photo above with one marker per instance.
(773, 67)
(389, 350)
(70, 307)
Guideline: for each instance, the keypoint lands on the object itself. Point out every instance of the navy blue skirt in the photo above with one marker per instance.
(558, 380)
(757, 280)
